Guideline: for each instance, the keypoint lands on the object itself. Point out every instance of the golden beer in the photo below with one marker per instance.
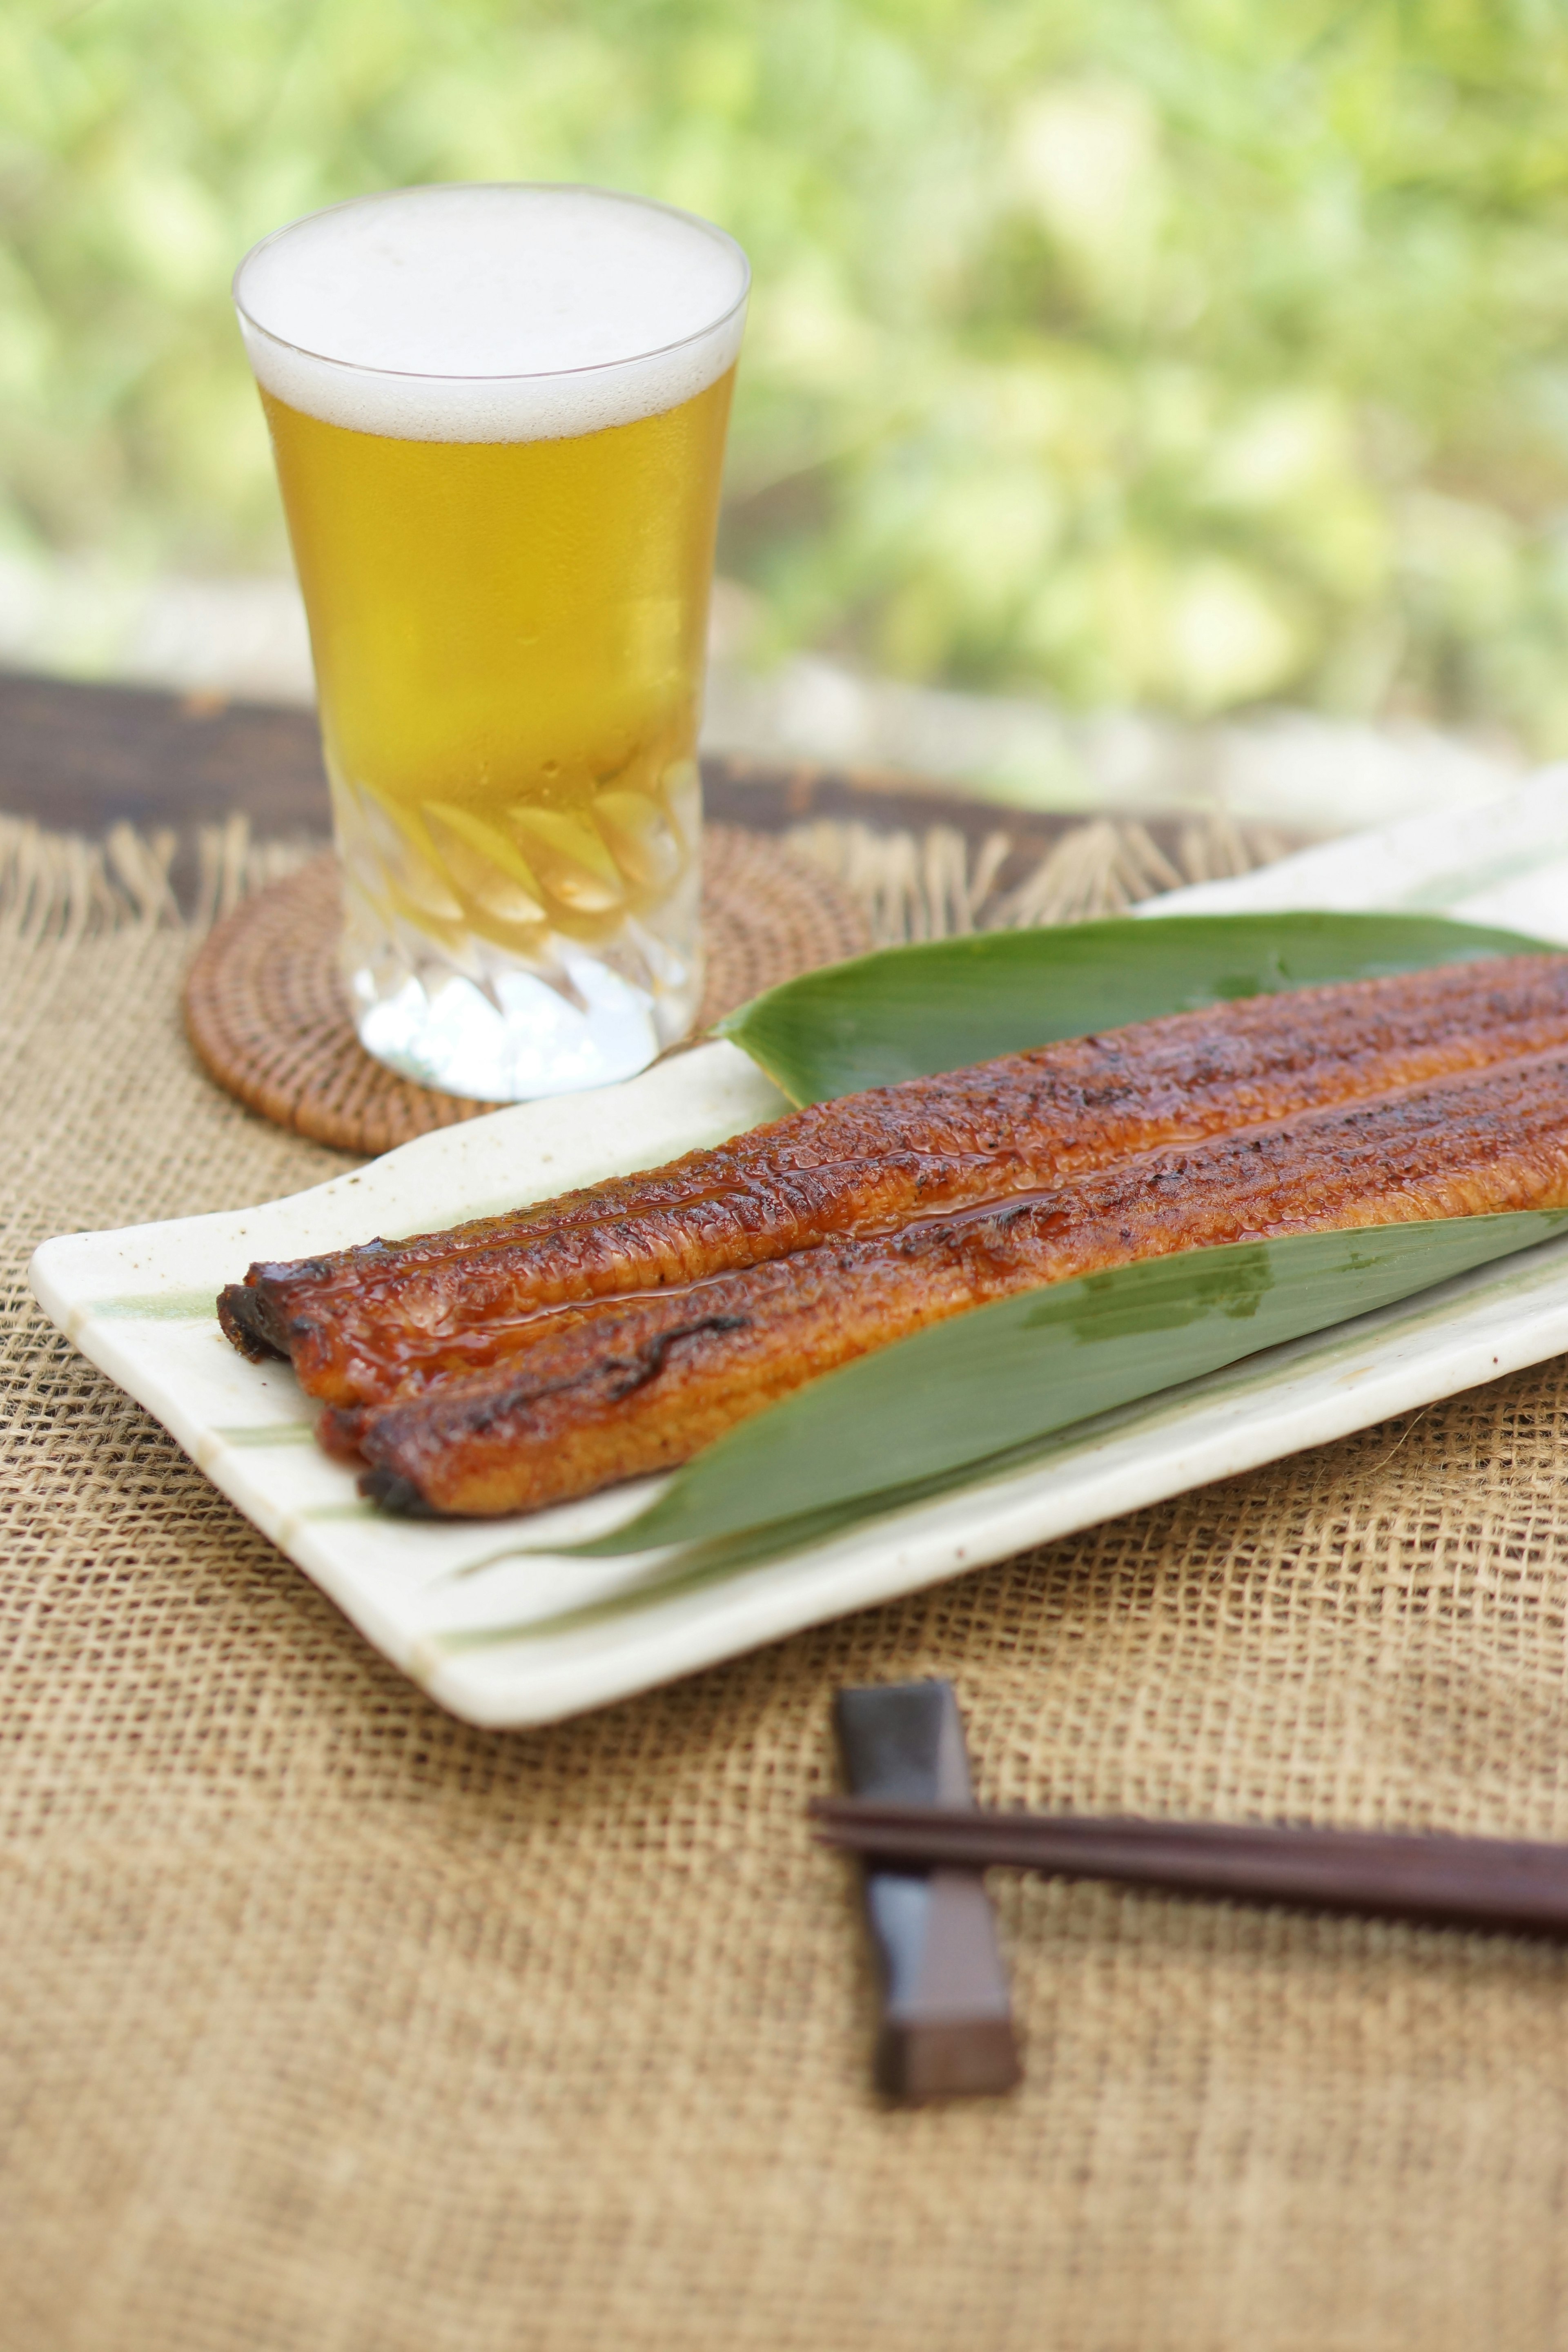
(508, 621)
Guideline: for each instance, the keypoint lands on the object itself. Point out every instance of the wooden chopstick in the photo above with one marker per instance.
(1461, 1881)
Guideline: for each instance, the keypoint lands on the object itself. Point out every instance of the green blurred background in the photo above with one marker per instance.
(1175, 354)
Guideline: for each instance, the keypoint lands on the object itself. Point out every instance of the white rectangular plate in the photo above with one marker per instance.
(501, 1629)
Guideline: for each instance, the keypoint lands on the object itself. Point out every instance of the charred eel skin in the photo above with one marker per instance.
(644, 1386)
(369, 1325)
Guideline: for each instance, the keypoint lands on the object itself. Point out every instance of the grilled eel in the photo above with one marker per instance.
(642, 1385)
(366, 1326)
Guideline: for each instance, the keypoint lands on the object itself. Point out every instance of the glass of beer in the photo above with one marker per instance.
(499, 418)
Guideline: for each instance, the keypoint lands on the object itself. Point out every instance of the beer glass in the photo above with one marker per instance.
(499, 418)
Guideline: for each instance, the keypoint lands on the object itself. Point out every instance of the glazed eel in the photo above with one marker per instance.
(378, 1323)
(643, 1385)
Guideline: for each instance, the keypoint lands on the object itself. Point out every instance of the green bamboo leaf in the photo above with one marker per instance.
(907, 1012)
(965, 1391)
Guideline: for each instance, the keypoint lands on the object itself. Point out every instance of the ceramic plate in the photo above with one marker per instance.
(502, 1628)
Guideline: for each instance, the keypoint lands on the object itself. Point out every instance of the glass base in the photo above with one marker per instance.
(440, 999)
(511, 1033)
(523, 1041)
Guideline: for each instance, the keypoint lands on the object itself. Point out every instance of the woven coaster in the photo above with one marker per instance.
(268, 1013)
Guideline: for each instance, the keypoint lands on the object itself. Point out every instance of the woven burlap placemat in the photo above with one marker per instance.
(268, 1014)
(327, 2022)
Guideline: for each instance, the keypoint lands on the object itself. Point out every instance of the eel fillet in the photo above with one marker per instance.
(378, 1323)
(645, 1384)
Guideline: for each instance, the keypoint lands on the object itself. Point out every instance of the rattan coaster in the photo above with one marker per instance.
(268, 1013)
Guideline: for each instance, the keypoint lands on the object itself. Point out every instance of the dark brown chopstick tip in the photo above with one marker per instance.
(1493, 1883)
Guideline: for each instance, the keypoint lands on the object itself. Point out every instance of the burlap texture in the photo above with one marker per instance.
(328, 2022)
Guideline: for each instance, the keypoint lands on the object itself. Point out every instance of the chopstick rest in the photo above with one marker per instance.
(1502, 1883)
(946, 2026)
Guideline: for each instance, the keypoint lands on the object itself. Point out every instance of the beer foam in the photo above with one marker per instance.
(491, 313)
